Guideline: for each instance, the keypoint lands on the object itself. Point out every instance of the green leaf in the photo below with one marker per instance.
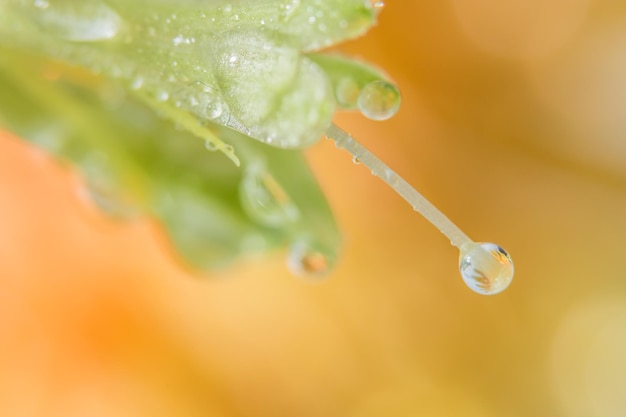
(233, 76)
(134, 162)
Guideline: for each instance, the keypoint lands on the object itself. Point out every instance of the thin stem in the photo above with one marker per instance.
(399, 185)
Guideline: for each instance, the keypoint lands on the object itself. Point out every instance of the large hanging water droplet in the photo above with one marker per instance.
(86, 20)
(310, 259)
(486, 268)
(379, 100)
(263, 198)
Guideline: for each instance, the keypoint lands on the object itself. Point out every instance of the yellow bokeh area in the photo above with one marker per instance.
(513, 123)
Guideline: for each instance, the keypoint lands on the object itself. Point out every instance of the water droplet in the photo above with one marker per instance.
(110, 202)
(88, 20)
(137, 83)
(356, 160)
(391, 177)
(375, 4)
(309, 259)
(41, 4)
(162, 96)
(178, 40)
(214, 110)
(486, 268)
(263, 198)
(288, 9)
(207, 102)
(210, 146)
(379, 100)
(347, 92)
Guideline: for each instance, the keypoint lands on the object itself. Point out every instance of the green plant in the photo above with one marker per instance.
(120, 87)
(246, 78)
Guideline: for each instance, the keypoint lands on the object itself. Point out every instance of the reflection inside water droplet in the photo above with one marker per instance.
(310, 259)
(264, 199)
(379, 100)
(486, 268)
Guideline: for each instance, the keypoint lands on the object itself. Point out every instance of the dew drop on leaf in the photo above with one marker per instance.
(375, 4)
(162, 96)
(379, 100)
(137, 83)
(210, 146)
(263, 198)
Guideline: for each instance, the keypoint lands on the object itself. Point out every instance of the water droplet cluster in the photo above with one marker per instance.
(357, 86)
(252, 69)
(84, 21)
(237, 64)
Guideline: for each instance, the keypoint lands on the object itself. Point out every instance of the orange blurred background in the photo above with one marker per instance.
(513, 123)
